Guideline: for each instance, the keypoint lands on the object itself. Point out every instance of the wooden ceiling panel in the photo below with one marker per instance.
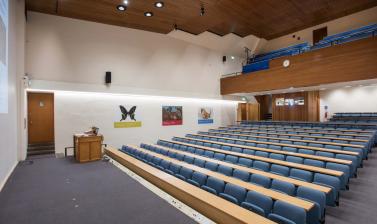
(267, 19)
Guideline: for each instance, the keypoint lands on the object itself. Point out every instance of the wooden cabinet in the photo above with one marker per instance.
(87, 147)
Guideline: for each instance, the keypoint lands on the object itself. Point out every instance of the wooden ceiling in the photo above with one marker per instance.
(263, 18)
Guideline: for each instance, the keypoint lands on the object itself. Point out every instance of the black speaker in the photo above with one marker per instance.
(224, 58)
(108, 78)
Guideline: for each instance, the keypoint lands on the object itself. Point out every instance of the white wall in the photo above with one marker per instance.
(68, 54)
(70, 50)
(353, 99)
(342, 24)
(76, 112)
(9, 122)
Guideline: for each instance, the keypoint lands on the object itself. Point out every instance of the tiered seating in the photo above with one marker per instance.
(355, 117)
(261, 61)
(287, 173)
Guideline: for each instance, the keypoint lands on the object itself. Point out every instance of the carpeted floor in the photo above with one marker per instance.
(54, 191)
(61, 191)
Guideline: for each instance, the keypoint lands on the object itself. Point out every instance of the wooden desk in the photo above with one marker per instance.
(296, 182)
(264, 159)
(291, 139)
(249, 186)
(212, 206)
(284, 134)
(87, 148)
(322, 158)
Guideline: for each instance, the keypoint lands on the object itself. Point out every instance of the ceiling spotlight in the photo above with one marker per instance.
(148, 14)
(232, 57)
(125, 2)
(159, 4)
(202, 11)
(121, 7)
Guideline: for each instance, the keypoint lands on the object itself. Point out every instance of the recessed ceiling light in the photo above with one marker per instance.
(121, 7)
(232, 57)
(159, 4)
(148, 14)
(125, 2)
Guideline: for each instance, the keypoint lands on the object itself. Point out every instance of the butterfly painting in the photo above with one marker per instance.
(125, 113)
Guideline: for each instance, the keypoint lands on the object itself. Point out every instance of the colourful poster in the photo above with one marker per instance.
(172, 115)
(205, 115)
(127, 118)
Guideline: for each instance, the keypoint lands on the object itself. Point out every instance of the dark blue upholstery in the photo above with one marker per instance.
(287, 213)
(233, 193)
(214, 185)
(258, 203)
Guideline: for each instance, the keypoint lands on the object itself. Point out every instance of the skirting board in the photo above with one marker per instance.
(2, 183)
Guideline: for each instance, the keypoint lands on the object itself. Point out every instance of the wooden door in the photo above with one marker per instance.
(319, 34)
(40, 118)
(253, 111)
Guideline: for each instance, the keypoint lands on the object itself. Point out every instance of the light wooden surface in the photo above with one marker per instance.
(213, 207)
(296, 135)
(264, 159)
(87, 148)
(306, 131)
(292, 139)
(352, 61)
(251, 187)
(296, 182)
(322, 158)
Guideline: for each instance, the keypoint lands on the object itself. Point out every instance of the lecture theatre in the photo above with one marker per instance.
(188, 111)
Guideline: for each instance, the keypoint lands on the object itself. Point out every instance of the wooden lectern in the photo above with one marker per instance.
(87, 147)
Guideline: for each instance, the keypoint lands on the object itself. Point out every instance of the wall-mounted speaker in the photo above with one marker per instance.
(224, 58)
(108, 78)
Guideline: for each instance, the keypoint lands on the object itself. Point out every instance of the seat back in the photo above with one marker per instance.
(282, 186)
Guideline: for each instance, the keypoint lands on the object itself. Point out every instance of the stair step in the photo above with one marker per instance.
(40, 152)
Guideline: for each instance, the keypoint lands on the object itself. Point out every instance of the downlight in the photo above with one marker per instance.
(159, 4)
(148, 14)
(121, 7)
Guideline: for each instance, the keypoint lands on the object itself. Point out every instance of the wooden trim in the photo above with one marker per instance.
(249, 186)
(275, 161)
(296, 182)
(200, 200)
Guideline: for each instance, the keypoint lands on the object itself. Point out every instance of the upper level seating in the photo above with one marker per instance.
(355, 117)
(261, 61)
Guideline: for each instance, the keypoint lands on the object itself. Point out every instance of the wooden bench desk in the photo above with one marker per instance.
(249, 186)
(264, 159)
(294, 135)
(213, 207)
(322, 158)
(296, 182)
(291, 139)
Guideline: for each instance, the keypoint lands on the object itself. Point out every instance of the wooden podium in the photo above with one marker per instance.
(87, 147)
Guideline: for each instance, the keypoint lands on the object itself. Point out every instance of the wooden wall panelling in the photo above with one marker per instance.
(341, 63)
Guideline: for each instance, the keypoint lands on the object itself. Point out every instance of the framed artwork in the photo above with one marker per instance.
(205, 115)
(172, 115)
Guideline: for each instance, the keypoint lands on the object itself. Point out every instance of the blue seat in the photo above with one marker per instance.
(329, 181)
(209, 154)
(245, 162)
(226, 170)
(173, 169)
(316, 145)
(180, 157)
(184, 173)
(250, 144)
(242, 175)
(211, 166)
(217, 146)
(286, 213)
(354, 160)
(284, 187)
(325, 154)
(262, 154)
(280, 170)
(165, 164)
(225, 147)
(295, 159)
(189, 159)
(289, 149)
(199, 152)
(219, 156)
(260, 180)
(258, 203)
(300, 143)
(232, 159)
(214, 185)
(306, 151)
(197, 179)
(337, 147)
(236, 149)
(274, 147)
(172, 154)
(343, 168)
(262, 145)
(234, 193)
(312, 162)
(249, 151)
(261, 165)
(277, 156)
(301, 175)
(199, 162)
